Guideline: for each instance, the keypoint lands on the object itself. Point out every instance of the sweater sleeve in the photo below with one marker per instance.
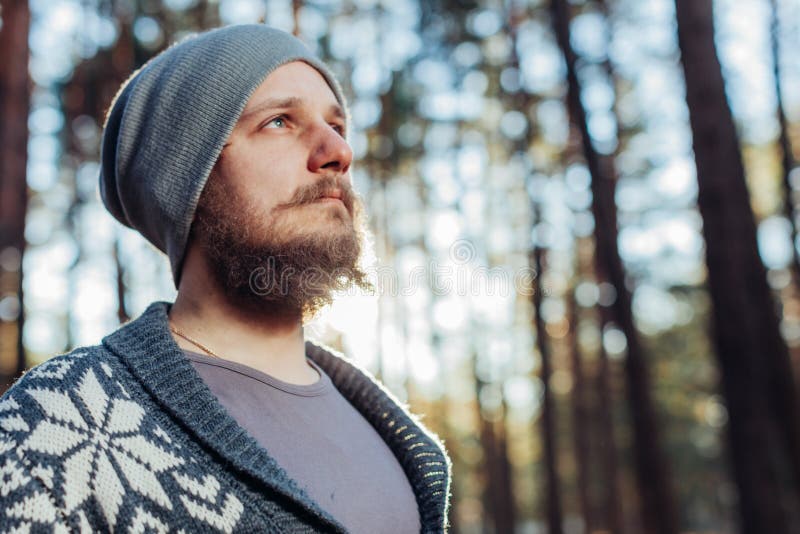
(26, 496)
(78, 453)
(43, 436)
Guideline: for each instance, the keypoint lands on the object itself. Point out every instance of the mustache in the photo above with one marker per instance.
(323, 187)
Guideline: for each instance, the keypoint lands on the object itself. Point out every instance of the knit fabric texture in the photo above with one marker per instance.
(125, 436)
(169, 121)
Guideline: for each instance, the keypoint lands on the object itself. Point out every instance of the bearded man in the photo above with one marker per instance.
(229, 153)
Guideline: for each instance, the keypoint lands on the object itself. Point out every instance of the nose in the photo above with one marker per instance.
(331, 152)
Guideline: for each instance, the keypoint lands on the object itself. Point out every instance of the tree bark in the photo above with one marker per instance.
(498, 499)
(296, 6)
(122, 309)
(788, 163)
(580, 418)
(612, 505)
(652, 473)
(504, 469)
(548, 429)
(14, 108)
(787, 157)
(756, 374)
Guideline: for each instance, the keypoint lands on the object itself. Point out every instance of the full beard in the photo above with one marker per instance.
(277, 267)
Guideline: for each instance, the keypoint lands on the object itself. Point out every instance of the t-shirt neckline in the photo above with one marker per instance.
(319, 387)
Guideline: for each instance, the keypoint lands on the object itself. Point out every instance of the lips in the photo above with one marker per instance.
(339, 196)
(333, 194)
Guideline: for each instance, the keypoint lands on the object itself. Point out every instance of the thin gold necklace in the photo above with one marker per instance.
(190, 340)
(211, 352)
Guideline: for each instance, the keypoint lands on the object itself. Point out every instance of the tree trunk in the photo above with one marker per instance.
(788, 163)
(498, 499)
(756, 374)
(122, 309)
(655, 488)
(580, 418)
(296, 5)
(612, 505)
(14, 107)
(548, 430)
(504, 469)
(787, 157)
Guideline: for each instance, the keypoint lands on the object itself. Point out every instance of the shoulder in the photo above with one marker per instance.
(83, 448)
(53, 403)
(57, 368)
(70, 433)
(39, 416)
(66, 396)
(51, 385)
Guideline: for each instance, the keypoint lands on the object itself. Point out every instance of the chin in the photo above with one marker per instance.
(333, 214)
(333, 206)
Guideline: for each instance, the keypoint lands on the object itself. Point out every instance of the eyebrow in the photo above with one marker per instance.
(282, 103)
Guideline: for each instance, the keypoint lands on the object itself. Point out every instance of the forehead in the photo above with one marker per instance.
(296, 80)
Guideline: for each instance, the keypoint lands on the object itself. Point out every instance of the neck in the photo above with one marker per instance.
(270, 340)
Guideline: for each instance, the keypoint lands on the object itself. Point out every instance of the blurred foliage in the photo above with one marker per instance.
(461, 130)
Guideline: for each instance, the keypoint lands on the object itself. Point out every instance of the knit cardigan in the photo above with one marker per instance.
(125, 436)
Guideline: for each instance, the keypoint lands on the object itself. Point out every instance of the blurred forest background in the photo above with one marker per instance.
(585, 230)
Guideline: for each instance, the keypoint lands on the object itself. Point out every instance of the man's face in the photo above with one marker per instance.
(290, 135)
(278, 220)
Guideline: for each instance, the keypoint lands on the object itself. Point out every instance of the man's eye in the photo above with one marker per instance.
(277, 122)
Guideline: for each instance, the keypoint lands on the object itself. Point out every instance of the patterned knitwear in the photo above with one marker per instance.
(125, 436)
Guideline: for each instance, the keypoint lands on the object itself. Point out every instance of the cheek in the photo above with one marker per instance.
(263, 178)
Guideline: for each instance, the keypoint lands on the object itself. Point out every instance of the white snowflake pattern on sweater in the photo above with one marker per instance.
(92, 444)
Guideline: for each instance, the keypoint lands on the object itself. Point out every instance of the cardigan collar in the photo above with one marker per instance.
(147, 347)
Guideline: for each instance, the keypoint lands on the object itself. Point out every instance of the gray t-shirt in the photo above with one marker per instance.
(321, 441)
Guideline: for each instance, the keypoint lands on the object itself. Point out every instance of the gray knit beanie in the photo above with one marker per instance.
(169, 121)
